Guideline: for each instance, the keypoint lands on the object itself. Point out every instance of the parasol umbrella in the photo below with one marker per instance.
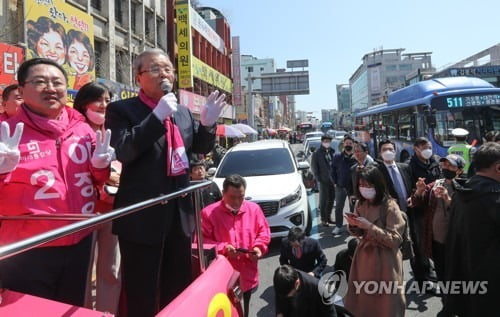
(245, 128)
(228, 131)
(284, 130)
(271, 131)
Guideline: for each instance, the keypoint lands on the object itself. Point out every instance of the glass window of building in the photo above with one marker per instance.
(96, 4)
(99, 65)
(149, 26)
(391, 68)
(405, 67)
(133, 13)
(118, 11)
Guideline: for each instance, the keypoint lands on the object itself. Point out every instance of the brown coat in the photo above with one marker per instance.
(378, 258)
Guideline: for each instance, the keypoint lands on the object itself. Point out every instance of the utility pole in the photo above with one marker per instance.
(250, 109)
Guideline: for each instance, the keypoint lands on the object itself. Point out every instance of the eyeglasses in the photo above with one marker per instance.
(157, 70)
(42, 83)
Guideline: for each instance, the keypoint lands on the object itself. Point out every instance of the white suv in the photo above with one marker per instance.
(274, 181)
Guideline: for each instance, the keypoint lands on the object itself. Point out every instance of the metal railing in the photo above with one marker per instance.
(89, 222)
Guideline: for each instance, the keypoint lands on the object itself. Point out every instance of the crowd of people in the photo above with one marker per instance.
(98, 156)
(432, 198)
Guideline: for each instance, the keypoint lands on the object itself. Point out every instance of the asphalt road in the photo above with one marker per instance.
(262, 302)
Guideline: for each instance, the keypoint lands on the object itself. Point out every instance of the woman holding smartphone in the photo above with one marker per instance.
(377, 262)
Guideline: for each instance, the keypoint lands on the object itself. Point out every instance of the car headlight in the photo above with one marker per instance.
(292, 198)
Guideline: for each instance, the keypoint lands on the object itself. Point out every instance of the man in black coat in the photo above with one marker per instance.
(155, 243)
(422, 165)
(302, 253)
(473, 240)
(321, 167)
(297, 294)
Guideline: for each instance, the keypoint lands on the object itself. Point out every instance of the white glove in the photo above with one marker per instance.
(211, 111)
(104, 153)
(165, 107)
(9, 147)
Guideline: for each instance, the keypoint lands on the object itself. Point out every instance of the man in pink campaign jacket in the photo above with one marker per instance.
(240, 231)
(49, 165)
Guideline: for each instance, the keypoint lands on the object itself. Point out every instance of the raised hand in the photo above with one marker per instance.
(9, 147)
(420, 185)
(104, 153)
(211, 111)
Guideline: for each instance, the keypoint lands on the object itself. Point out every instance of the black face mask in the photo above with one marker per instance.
(348, 148)
(449, 174)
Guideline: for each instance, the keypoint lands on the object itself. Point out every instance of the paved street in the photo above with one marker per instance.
(262, 302)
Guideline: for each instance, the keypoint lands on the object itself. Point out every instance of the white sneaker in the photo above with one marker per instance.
(336, 231)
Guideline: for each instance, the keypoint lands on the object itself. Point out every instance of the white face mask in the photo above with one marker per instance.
(388, 155)
(426, 154)
(95, 117)
(367, 192)
(326, 144)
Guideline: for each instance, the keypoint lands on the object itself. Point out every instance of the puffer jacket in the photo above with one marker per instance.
(54, 176)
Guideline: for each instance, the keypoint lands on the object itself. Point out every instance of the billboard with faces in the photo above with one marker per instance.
(64, 34)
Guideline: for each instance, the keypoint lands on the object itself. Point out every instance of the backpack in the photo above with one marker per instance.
(406, 246)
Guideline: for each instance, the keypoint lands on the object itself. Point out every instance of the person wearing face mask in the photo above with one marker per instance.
(423, 166)
(91, 101)
(379, 224)
(321, 167)
(473, 243)
(240, 232)
(433, 200)
(396, 175)
(341, 173)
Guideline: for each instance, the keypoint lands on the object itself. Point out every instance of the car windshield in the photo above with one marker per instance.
(256, 163)
(314, 134)
(314, 143)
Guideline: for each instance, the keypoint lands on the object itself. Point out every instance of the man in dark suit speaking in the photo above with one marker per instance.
(153, 137)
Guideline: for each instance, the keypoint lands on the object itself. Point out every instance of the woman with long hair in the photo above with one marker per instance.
(91, 101)
(376, 276)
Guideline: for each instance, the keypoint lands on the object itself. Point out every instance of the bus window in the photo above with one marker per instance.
(405, 127)
(389, 123)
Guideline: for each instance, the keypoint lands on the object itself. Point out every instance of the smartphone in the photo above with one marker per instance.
(243, 250)
(350, 214)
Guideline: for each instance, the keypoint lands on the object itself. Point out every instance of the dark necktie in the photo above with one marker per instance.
(400, 190)
(297, 252)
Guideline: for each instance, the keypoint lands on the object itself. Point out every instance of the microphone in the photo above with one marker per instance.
(166, 86)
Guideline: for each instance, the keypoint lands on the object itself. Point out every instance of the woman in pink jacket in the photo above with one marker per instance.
(91, 101)
(240, 231)
(50, 165)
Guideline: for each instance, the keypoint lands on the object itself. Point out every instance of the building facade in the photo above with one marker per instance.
(118, 30)
(344, 98)
(381, 73)
(484, 65)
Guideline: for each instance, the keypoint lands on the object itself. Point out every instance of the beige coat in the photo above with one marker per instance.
(377, 258)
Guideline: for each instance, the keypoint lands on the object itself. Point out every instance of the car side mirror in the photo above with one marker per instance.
(312, 149)
(301, 154)
(211, 171)
(303, 165)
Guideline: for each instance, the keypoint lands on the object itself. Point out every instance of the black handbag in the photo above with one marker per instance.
(406, 246)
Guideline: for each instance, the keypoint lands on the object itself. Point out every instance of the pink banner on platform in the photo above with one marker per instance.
(18, 304)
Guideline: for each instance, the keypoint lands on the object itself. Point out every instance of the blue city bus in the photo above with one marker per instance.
(325, 126)
(431, 108)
